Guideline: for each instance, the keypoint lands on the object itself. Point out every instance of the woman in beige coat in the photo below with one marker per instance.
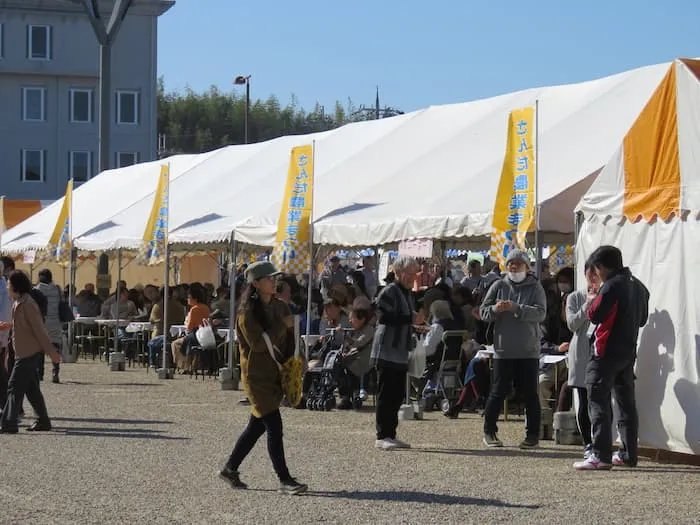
(262, 314)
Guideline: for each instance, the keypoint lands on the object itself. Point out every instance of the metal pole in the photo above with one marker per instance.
(72, 272)
(538, 247)
(105, 80)
(232, 300)
(119, 278)
(247, 106)
(311, 247)
(166, 299)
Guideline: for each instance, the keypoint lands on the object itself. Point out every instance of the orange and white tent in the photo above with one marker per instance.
(646, 201)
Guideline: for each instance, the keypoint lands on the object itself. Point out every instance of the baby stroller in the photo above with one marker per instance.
(321, 381)
(444, 378)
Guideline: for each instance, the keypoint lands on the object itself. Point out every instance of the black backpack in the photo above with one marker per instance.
(41, 301)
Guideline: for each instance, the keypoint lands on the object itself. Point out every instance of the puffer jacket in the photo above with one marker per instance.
(53, 321)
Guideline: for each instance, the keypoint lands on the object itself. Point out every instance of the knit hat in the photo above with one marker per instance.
(518, 255)
(440, 309)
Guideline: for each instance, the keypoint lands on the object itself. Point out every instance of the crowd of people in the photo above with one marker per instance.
(374, 329)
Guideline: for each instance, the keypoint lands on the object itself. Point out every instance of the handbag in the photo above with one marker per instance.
(65, 314)
(291, 371)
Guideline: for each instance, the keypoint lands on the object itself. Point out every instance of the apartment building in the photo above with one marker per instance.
(49, 67)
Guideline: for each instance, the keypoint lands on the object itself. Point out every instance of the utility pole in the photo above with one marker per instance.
(106, 35)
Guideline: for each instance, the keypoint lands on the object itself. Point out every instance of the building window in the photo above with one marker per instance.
(127, 158)
(81, 105)
(34, 104)
(127, 107)
(79, 165)
(33, 165)
(39, 42)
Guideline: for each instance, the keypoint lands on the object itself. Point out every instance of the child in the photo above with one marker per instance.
(356, 350)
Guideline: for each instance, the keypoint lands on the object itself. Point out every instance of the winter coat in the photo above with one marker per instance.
(357, 349)
(260, 375)
(29, 334)
(393, 338)
(516, 334)
(53, 321)
(580, 346)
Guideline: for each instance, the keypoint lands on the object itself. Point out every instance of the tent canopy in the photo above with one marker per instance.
(646, 202)
(432, 173)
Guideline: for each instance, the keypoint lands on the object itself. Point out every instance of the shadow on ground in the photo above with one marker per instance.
(499, 452)
(419, 497)
(114, 421)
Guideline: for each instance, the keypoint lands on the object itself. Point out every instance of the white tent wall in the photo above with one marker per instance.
(664, 256)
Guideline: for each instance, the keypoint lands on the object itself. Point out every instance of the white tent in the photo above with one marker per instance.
(646, 201)
(431, 173)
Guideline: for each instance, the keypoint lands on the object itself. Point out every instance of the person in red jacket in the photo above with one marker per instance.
(618, 311)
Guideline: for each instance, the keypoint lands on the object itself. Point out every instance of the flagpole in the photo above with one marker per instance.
(311, 246)
(538, 247)
(72, 269)
(232, 299)
(166, 283)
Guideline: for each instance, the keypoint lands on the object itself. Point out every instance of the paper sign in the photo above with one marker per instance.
(419, 248)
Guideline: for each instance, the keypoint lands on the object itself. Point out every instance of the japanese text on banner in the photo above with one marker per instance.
(60, 241)
(292, 252)
(514, 209)
(155, 235)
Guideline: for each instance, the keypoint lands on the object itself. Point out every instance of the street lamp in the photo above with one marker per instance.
(240, 80)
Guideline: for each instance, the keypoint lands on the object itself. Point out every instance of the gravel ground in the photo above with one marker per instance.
(129, 448)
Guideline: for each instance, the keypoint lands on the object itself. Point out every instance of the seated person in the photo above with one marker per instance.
(199, 311)
(89, 304)
(335, 319)
(357, 348)
(222, 301)
(176, 315)
(550, 371)
(442, 319)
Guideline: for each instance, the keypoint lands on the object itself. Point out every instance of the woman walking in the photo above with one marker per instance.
(262, 316)
(30, 341)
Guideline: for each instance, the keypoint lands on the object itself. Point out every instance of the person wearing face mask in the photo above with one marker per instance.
(516, 305)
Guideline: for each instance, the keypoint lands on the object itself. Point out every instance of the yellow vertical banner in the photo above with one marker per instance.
(60, 242)
(292, 251)
(514, 210)
(155, 236)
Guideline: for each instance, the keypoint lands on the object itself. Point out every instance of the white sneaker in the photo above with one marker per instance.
(592, 463)
(385, 444)
(400, 444)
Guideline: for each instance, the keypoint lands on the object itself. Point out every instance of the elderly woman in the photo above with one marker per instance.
(30, 341)
(262, 316)
(517, 305)
(396, 313)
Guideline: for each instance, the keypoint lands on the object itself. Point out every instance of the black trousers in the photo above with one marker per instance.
(24, 381)
(7, 361)
(582, 418)
(523, 374)
(56, 366)
(605, 377)
(257, 426)
(391, 389)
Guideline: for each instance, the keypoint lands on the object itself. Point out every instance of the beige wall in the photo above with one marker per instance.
(201, 268)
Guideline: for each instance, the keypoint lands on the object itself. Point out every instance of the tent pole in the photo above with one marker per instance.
(232, 300)
(538, 240)
(119, 278)
(166, 300)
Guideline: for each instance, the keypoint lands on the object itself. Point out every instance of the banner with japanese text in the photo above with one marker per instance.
(514, 210)
(60, 242)
(292, 252)
(155, 236)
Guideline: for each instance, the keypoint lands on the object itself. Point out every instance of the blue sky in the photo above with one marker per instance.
(419, 53)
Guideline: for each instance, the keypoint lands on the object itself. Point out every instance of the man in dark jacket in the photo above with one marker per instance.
(516, 305)
(619, 310)
(392, 342)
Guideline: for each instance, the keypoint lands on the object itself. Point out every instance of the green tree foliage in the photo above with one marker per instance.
(194, 123)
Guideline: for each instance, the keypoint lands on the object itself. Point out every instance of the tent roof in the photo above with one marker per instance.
(654, 169)
(432, 173)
